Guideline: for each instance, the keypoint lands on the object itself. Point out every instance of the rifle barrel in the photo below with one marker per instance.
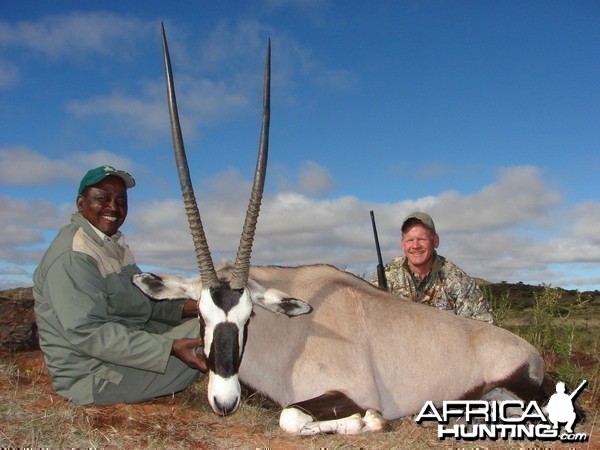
(381, 280)
(576, 391)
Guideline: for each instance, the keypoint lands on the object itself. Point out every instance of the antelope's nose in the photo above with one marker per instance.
(225, 408)
(224, 394)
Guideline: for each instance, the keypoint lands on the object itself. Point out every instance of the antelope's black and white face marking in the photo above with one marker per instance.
(225, 313)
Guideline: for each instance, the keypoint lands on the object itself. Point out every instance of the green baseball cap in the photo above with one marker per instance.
(419, 216)
(100, 173)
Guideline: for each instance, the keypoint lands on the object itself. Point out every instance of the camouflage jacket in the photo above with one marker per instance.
(446, 286)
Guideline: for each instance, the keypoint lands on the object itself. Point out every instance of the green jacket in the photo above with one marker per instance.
(92, 321)
(446, 286)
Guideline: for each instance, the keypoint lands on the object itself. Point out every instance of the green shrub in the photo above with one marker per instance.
(501, 306)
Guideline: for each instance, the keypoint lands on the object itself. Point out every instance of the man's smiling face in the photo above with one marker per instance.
(104, 204)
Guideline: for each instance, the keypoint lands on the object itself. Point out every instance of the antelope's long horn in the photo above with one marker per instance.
(205, 263)
(241, 268)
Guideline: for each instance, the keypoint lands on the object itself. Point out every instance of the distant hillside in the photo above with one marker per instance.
(18, 330)
(522, 295)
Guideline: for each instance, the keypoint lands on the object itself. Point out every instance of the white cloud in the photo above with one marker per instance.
(242, 44)
(585, 219)
(519, 196)
(488, 233)
(567, 249)
(24, 227)
(77, 34)
(125, 114)
(313, 179)
(233, 52)
(484, 233)
(21, 166)
(433, 170)
(13, 270)
(145, 115)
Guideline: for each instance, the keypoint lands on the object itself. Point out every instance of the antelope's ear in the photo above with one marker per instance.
(167, 287)
(284, 305)
(277, 301)
(290, 307)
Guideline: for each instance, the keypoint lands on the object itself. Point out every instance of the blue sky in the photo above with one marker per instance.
(484, 114)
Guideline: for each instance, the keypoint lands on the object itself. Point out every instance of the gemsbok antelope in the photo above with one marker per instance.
(354, 356)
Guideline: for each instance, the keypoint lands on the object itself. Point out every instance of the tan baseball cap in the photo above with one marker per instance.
(419, 216)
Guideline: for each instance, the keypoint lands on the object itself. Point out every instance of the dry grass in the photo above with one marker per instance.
(32, 415)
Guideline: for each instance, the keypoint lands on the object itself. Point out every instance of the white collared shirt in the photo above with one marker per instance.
(115, 245)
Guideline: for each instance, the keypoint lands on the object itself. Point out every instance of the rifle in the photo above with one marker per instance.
(381, 280)
(576, 392)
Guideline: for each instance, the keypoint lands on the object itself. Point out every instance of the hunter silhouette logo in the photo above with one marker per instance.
(560, 407)
(514, 419)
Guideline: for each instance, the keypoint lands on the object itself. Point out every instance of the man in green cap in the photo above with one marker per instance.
(103, 340)
(423, 276)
